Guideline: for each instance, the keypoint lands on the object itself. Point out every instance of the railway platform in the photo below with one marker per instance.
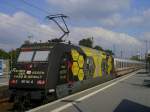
(129, 93)
(4, 92)
(4, 80)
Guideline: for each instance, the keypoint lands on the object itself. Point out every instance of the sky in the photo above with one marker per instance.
(119, 25)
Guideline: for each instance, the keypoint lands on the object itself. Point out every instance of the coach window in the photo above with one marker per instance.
(126, 65)
(119, 63)
(116, 64)
(122, 64)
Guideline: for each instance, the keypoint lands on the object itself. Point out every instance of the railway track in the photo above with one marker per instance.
(5, 105)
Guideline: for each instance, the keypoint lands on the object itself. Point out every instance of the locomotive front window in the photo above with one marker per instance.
(41, 56)
(25, 56)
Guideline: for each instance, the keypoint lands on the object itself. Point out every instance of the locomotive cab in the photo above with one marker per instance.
(30, 70)
(29, 75)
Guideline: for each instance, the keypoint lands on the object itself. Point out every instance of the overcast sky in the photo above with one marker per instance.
(114, 24)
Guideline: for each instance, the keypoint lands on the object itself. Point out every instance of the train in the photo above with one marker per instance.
(52, 70)
(124, 66)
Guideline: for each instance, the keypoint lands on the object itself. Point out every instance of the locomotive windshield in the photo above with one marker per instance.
(41, 56)
(25, 56)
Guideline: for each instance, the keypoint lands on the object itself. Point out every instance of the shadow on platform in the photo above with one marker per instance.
(143, 72)
(70, 101)
(130, 106)
(74, 104)
(147, 75)
(146, 83)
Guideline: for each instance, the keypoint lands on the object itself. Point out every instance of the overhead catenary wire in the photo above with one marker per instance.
(34, 6)
(52, 17)
(9, 4)
(45, 11)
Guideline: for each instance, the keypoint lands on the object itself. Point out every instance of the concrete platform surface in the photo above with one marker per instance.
(128, 93)
(4, 81)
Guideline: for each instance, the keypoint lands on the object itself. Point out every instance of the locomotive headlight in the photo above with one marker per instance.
(51, 90)
(41, 82)
(13, 82)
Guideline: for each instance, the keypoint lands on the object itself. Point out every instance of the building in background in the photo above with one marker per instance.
(4, 67)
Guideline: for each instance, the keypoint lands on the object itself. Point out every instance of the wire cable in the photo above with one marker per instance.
(18, 8)
(34, 6)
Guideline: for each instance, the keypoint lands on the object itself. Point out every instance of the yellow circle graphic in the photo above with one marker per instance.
(81, 61)
(75, 68)
(74, 54)
(81, 74)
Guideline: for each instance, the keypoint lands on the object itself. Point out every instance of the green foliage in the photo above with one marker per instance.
(13, 54)
(109, 51)
(8, 55)
(86, 42)
(4, 54)
(148, 60)
(26, 42)
(97, 47)
(136, 58)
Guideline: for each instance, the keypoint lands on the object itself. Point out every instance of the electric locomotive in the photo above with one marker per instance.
(56, 69)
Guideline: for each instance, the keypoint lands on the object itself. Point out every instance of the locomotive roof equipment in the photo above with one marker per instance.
(64, 30)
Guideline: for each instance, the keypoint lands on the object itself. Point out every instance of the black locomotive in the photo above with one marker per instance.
(54, 70)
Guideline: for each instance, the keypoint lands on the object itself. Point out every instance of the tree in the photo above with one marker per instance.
(8, 55)
(13, 55)
(109, 51)
(86, 42)
(4, 54)
(26, 42)
(98, 48)
(136, 58)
